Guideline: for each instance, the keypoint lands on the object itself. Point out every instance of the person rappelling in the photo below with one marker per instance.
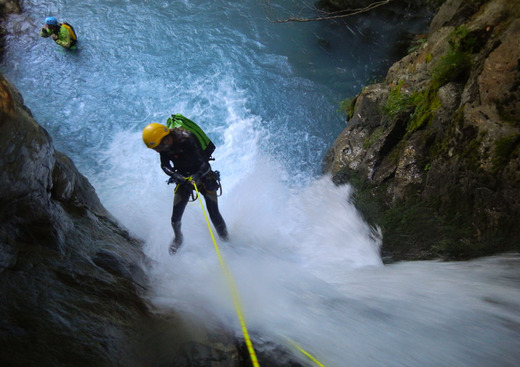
(62, 33)
(183, 144)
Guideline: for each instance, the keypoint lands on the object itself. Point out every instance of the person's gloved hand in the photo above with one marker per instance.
(176, 178)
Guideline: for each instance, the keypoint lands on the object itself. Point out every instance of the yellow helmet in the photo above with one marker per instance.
(153, 134)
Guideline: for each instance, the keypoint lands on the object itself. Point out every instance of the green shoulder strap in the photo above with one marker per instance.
(179, 120)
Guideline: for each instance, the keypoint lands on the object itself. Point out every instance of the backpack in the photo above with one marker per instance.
(71, 31)
(179, 120)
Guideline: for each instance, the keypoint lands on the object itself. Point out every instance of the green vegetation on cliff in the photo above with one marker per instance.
(434, 150)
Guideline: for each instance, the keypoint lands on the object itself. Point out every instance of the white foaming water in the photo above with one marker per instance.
(308, 268)
(291, 244)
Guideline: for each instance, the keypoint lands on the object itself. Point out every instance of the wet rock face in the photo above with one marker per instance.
(6, 7)
(9, 6)
(70, 277)
(437, 144)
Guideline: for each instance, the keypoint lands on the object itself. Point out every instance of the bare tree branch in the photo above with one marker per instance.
(327, 16)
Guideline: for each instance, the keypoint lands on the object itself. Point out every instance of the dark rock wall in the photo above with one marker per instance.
(433, 150)
(9, 6)
(6, 7)
(70, 278)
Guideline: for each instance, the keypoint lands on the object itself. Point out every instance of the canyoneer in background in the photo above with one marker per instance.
(62, 33)
(185, 152)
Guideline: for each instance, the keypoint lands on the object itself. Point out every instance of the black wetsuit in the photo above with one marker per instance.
(189, 160)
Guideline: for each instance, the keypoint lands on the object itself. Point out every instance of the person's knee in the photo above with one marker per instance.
(176, 217)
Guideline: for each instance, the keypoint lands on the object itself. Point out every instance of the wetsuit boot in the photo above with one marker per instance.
(222, 231)
(177, 241)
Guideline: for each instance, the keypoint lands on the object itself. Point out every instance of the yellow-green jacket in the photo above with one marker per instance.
(65, 39)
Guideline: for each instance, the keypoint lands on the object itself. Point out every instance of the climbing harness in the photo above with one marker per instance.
(232, 286)
(195, 196)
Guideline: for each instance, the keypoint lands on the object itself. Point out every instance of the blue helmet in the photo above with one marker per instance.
(51, 21)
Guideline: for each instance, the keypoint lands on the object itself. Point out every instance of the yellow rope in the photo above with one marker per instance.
(232, 286)
(310, 356)
(236, 297)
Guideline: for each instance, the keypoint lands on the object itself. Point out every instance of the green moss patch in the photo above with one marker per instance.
(504, 149)
(348, 106)
(398, 102)
(417, 107)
